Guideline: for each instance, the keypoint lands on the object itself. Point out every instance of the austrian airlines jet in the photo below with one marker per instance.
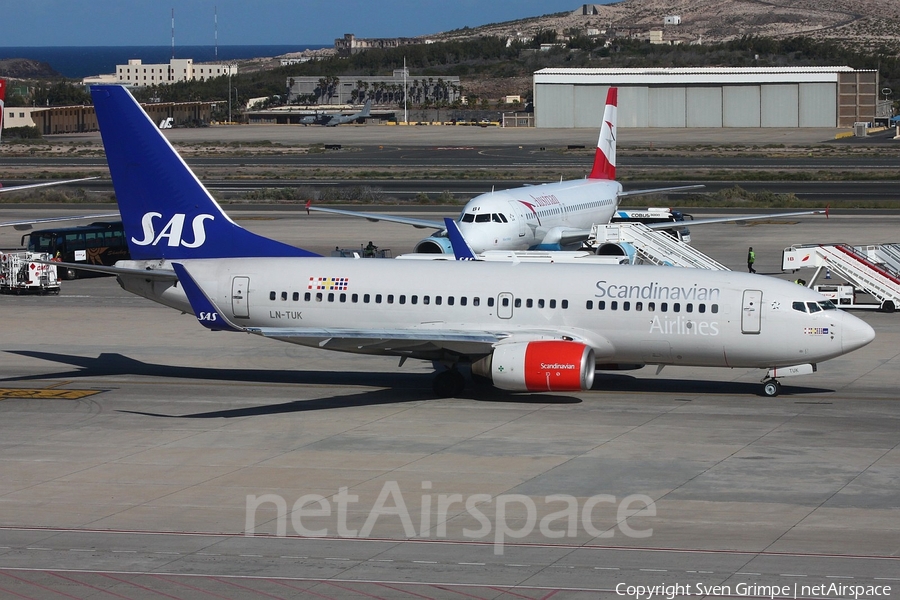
(551, 216)
(525, 326)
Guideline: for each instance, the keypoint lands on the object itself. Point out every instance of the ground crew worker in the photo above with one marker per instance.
(369, 252)
(751, 258)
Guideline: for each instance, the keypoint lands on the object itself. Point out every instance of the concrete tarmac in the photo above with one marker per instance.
(139, 451)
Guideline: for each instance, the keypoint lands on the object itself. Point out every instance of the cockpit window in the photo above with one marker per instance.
(468, 218)
(483, 218)
(495, 218)
(813, 307)
(827, 305)
(799, 306)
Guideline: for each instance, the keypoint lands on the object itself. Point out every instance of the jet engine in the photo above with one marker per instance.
(541, 366)
(434, 245)
(616, 249)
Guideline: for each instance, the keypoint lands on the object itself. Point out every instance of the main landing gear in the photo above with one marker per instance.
(448, 384)
(771, 387)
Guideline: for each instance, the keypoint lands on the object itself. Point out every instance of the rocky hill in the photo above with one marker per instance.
(25, 68)
(869, 23)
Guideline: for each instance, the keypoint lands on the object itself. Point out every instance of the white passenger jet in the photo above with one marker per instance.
(526, 326)
(550, 216)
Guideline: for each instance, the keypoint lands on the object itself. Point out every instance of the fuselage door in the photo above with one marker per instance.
(239, 306)
(751, 311)
(515, 215)
(505, 305)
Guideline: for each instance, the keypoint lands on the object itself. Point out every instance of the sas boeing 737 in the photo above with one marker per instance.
(550, 216)
(525, 326)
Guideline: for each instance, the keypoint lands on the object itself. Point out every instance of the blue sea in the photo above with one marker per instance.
(82, 61)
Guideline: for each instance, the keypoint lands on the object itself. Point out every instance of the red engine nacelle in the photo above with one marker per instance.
(543, 366)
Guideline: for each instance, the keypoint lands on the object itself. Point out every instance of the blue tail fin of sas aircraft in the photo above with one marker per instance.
(166, 211)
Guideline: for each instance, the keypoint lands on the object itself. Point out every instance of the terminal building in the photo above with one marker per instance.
(708, 97)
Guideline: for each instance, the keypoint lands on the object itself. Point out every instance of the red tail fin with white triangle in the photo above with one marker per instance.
(605, 158)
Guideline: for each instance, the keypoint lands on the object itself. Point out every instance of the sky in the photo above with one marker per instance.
(149, 23)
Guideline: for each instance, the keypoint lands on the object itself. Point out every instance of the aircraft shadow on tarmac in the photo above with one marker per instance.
(399, 387)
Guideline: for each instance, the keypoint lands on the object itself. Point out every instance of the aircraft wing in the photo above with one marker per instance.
(418, 223)
(25, 225)
(678, 188)
(735, 218)
(31, 186)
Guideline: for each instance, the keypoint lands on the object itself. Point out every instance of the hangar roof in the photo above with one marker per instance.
(691, 75)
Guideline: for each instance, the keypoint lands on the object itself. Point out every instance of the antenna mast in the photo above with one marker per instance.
(173, 33)
(216, 27)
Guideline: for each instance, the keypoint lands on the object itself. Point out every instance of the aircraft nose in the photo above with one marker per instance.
(856, 333)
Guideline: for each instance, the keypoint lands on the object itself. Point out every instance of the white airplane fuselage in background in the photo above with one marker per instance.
(525, 326)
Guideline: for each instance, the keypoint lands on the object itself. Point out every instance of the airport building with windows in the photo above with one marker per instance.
(138, 74)
(708, 97)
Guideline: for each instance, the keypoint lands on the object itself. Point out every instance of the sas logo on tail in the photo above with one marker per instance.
(172, 231)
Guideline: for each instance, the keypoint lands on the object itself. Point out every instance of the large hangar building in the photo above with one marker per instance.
(708, 97)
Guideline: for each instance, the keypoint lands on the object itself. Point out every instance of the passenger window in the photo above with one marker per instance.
(402, 298)
(377, 298)
(490, 301)
(553, 304)
(284, 296)
(307, 296)
(529, 303)
(426, 299)
(638, 306)
(354, 298)
(626, 305)
(701, 308)
(565, 304)
(463, 301)
(518, 303)
(689, 308)
(541, 303)
(295, 296)
(715, 308)
(413, 299)
(476, 301)
(651, 306)
(437, 300)
(676, 307)
(343, 297)
(614, 305)
(505, 302)
(366, 298)
(271, 295)
(390, 299)
(450, 300)
(318, 296)
(589, 304)
(331, 296)
(664, 307)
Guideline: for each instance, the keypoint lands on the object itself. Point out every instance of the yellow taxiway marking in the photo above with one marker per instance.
(45, 394)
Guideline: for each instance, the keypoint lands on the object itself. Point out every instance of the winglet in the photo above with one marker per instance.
(605, 157)
(205, 310)
(461, 248)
